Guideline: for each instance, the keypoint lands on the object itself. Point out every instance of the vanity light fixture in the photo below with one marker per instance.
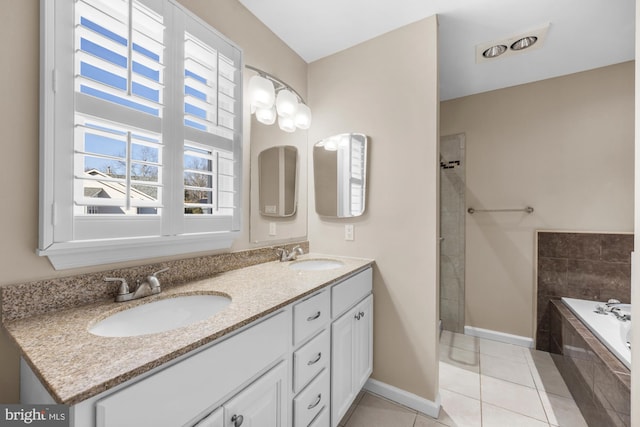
(270, 97)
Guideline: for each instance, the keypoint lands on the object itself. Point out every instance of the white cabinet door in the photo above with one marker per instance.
(342, 392)
(262, 404)
(351, 356)
(363, 337)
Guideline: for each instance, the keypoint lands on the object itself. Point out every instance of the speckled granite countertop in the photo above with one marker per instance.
(75, 365)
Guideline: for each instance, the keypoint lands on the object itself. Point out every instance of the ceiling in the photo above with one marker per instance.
(583, 34)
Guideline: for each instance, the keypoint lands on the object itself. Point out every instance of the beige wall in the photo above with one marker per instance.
(563, 146)
(387, 88)
(19, 136)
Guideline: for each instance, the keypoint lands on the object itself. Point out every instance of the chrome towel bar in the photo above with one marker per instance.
(528, 210)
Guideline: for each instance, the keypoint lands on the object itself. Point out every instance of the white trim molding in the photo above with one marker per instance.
(499, 336)
(404, 398)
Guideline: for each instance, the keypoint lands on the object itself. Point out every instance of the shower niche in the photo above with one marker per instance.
(452, 232)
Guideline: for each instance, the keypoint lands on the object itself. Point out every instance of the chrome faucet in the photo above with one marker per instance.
(620, 315)
(613, 306)
(150, 286)
(289, 256)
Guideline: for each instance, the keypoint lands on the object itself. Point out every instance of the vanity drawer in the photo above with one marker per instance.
(310, 316)
(346, 294)
(308, 404)
(310, 359)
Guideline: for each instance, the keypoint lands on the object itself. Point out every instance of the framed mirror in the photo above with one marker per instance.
(277, 182)
(272, 172)
(340, 175)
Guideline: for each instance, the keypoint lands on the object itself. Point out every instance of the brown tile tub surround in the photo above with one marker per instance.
(44, 296)
(74, 365)
(598, 381)
(592, 266)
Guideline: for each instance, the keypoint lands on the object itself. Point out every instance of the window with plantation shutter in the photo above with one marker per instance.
(140, 132)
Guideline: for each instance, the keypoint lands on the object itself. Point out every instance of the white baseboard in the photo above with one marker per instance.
(405, 398)
(499, 336)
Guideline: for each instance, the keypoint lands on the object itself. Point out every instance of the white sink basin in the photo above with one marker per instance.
(316, 264)
(159, 316)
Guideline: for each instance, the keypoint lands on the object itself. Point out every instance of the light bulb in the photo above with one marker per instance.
(287, 124)
(261, 92)
(286, 104)
(303, 116)
(331, 145)
(266, 116)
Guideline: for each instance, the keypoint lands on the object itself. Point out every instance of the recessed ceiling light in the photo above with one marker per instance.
(524, 43)
(494, 51)
(508, 46)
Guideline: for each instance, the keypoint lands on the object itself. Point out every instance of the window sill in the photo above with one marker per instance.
(97, 252)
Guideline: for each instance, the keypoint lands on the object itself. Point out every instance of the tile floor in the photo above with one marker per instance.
(483, 383)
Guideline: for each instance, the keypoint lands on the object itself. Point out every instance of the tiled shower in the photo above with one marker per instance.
(452, 231)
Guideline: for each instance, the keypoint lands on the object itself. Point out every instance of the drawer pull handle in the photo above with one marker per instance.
(237, 420)
(316, 403)
(314, 361)
(314, 317)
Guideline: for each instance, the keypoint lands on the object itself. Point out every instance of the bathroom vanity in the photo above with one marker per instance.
(293, 348)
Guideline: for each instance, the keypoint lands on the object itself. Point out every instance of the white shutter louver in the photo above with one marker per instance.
(119, 78)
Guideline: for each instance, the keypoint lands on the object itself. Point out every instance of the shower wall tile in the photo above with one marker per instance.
(452, 247)
(569, 245)
(616, 247)
(592, 266)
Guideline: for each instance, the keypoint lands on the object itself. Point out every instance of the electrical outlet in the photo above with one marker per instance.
(272, 229)
(348, 232)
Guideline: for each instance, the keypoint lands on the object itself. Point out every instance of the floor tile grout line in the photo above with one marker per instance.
(518, 413)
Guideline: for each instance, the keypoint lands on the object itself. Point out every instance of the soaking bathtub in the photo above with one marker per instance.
(612, 332)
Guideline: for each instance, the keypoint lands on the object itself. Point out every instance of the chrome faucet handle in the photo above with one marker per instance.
(282, 253)
(153, 281)
(124, 286)
(160, 271)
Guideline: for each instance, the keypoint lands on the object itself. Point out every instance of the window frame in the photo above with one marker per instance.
(56, 164)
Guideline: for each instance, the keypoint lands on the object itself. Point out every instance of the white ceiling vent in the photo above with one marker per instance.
(502, 48)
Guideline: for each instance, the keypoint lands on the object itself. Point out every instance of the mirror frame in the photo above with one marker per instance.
(281, 149)
(327, 173)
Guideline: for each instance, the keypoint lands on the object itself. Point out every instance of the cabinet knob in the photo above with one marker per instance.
(316, 360)
(362, 314)
(357, 316)
(314, 317)
(316, 403)
(237, 420)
